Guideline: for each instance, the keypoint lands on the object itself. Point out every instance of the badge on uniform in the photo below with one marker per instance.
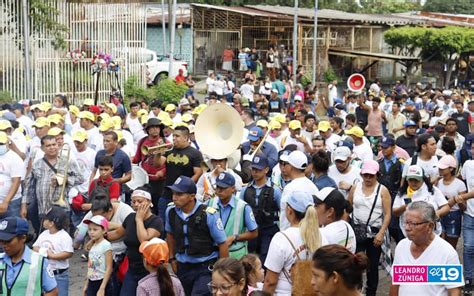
(256, 159)
(252, 217)
(50, 271)
(3, 225)
(221, 176)
(219, 224)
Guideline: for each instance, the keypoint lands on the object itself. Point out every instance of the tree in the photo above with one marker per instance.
(452, 6)
(445, 45)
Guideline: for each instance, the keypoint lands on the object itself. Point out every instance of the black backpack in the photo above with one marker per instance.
(100, 191)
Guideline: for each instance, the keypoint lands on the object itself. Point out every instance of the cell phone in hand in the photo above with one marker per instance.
(407, 200)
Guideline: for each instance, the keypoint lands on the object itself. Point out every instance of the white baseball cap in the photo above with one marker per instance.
(298, 159)
(342, 153)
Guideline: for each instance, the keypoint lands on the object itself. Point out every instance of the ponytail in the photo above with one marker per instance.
(164, 281)
(309, 229)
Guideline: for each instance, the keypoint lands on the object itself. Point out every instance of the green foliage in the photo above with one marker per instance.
(452, 6)
(5, 97)
(166, 90)
(329, 75)
(43, 17)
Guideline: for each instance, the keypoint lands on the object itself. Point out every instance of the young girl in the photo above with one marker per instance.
(254, 271)
(228, 278)
(451, 187)
(55, 244)
(99, 266)
(159, 282)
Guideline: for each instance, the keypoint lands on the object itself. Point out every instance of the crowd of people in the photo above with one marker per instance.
(326, 182)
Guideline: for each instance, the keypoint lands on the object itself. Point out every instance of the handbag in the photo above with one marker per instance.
(360, 230)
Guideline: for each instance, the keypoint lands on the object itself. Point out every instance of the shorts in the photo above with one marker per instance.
(451, 224)
(243, 67)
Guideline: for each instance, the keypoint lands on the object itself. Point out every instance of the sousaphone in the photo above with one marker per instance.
(219, 131)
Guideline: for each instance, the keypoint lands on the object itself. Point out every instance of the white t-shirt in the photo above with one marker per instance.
(20, 141)
(467, 173)
(293, 141)
(351, 177)
(332, 94)
(11, 166)
(299, 184)
(457, 186)
(340, 233)
(219, 87)
(94, 139)
(430, 167)
(136, 128)
(247, 91)
(27, 124)
(281, 256)
(56, 243)
(439, 252)
(363, 204)
(331, 142)
(437, 200)
(85, 161)
(363, 151)
(210, 84)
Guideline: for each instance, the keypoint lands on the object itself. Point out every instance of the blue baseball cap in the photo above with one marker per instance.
(410, 103)
(17, 106)
(387, 142)
(225, 180)
(183, 185)
(11, 227)
(300, 201)
(346, 143)
(255, 133)
(259, 162)
(409, 123)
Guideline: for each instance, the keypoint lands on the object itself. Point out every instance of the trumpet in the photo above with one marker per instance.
(254, 152)
(159, 149)
(62, 178)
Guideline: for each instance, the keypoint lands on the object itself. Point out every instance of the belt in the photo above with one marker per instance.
(207, 263)
(59, 271)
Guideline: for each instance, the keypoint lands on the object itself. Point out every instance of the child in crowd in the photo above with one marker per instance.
(159, 282)
(55, 244)
(104, 185)
(254, 270)
(99, 265)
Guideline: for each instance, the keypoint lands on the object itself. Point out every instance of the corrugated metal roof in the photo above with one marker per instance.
(370, 55)
(329, 14)
(240, 9)
(441, 19)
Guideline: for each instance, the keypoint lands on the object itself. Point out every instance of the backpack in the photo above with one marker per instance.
(100, 190)
(299, 275)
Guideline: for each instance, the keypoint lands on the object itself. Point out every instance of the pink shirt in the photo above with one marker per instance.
(374, 125)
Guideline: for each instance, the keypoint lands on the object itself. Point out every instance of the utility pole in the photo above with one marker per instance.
(295, 42)
(315, 43)
(26, 48)
(173, 30)
(163, 24)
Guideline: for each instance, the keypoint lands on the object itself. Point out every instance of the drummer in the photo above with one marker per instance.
(154, 163)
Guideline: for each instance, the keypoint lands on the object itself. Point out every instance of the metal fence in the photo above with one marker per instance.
(117, 29)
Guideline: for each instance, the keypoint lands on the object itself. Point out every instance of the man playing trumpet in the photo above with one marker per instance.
(149, 155)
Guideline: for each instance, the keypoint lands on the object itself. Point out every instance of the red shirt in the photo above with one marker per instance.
(147, 160)
(114, 188)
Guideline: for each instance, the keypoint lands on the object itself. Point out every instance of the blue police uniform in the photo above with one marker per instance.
(11, 272)
(194, 270)
(225, 211)
(267, 149)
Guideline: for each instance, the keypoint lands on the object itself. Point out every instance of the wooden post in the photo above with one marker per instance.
(300, 45)
(353, 38)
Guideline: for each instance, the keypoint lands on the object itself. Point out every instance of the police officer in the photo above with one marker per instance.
(22, 271)
(390, 175)
(264, 199)
(195, 235)
(236, 214)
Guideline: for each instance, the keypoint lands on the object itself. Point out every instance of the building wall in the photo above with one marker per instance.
(183, 45)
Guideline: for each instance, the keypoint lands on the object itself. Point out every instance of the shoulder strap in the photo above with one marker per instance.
(239, 210)
(50, 165)
(373, 205)
(292, 245)
(347, 236)
(414, 159)
(34, 269)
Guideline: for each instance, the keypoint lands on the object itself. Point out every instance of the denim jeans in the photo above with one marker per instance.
(468, 255)
(63, 283)
(194, 278)
(373, 253)
(13, 209)
(130, 283)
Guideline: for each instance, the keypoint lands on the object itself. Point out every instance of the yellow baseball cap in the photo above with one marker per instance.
(117, 122)
(41, 122)
(324, 126)
(104, 116)
(79, 135)
(55, 131)
(41, 107)
(87, 115)
(144, 119)
(142, 112)
(74, 110)
(163, 115)
(295, 124)
(180, 124)
(199, 109)
(3, 138)
(119, 135)
(274, 125)
(106, 124)
(112, 107)
(168, 122)
(5, 124)
(55, 118)
(170, 107)
(88, 102)
(46, 105)
(355, 131)
(281, 118)
(262, 123)
(187, 117)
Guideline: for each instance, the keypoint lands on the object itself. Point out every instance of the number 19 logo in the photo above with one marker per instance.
(445, 274)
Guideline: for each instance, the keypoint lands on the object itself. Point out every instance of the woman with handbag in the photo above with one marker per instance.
(370, 219)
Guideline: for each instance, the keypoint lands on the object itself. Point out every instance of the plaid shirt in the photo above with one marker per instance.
(45, 193)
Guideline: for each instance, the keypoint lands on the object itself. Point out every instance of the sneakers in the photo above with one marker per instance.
(468, 288)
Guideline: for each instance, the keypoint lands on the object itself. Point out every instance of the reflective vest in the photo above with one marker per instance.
(28, 279)
(238, 248)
